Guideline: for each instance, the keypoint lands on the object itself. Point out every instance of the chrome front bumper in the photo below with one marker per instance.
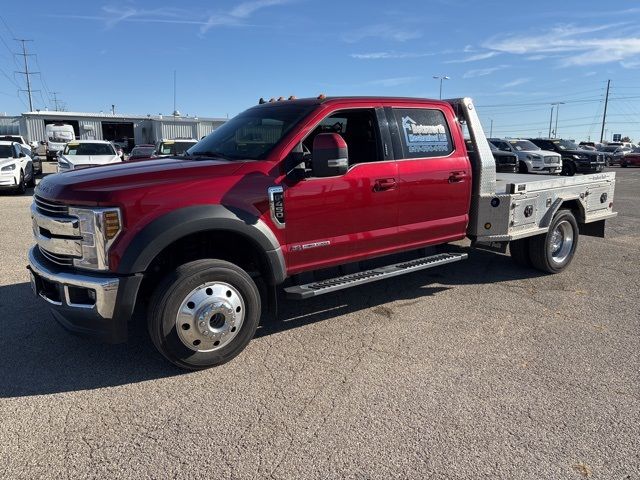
(61, 283)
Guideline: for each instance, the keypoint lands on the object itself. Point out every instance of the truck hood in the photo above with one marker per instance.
(76, 160)
(101, 184)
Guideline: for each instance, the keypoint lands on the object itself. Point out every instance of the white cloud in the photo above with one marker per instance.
(393, 82)
(386, 32)
(516, 82)
(113, 14)
(482, 72)
(476, 57)
(386, 55)
(576, 45)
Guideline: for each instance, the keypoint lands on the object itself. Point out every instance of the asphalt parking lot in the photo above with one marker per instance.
(481, 369)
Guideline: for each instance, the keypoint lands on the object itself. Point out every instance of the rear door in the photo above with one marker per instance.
(434, 173)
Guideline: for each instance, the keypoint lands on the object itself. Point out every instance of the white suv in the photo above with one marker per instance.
(531, 158)
(16, 167)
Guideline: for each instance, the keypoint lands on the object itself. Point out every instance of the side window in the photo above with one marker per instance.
(358, 128)
(16, 150)
(424, 133)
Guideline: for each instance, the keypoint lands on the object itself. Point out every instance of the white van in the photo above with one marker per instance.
(58, 135)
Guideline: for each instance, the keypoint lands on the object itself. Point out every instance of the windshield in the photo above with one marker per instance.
(6, 151)
(523, 145)
(175, 147)
(142, 152)
(88, 149)
(252, 134)
(565, 144)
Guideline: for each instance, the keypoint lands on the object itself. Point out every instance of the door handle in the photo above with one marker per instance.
(383, 184)
(455, 177)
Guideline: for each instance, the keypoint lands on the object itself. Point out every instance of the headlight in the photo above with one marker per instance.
(580, 157)
(9, 168)
(99, 228)
(536, 157)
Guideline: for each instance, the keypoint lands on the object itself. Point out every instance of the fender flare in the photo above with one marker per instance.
(163, 231)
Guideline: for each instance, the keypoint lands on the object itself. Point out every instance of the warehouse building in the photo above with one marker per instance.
(106, 126)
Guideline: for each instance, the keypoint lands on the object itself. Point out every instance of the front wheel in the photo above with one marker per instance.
(522, 167)
(21, 188)
(203, 314)
(553, 251)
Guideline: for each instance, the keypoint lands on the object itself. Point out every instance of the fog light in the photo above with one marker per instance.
(487, 226)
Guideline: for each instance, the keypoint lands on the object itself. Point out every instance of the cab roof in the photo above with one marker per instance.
(320, 100)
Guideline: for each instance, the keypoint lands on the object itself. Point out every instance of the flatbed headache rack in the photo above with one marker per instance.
(507, 207)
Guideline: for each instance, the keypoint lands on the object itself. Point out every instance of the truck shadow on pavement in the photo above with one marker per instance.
(38, 357)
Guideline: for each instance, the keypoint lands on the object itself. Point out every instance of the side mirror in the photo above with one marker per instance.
(330, 156)
(294, 164)
(21, 155)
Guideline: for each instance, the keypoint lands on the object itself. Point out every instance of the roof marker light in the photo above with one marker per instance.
(261, 101)
(322, 96)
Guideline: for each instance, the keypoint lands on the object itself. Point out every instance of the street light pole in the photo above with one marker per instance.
(550, 120)
(441, 78)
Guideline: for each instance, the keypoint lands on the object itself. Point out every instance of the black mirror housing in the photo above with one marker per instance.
(330, 155)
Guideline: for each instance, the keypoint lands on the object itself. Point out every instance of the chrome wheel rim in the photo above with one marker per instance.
(561, 241)
(210, 317)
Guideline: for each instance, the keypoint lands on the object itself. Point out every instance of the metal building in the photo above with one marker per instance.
(107, 126)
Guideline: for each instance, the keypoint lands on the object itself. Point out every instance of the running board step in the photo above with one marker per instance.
(300, 292)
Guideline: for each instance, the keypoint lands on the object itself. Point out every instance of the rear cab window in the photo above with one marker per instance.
(424, 132)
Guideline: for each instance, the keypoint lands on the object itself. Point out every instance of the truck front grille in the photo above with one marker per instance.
(63, 260)
(48, 207)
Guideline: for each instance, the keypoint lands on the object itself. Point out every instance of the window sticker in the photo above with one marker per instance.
(424, 133)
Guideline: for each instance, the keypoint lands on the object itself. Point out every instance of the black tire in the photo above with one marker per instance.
(568, 168)
(32, 181)
(22, 186)
(522, 167)
(519, 250)
(542, 255)
(623, 164)
(171, 293)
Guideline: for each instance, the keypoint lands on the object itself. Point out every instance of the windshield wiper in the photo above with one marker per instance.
(214, 155)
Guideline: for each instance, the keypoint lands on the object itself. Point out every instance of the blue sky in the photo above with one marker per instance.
(514, 58)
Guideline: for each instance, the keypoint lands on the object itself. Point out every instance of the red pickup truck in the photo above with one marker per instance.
(284, 189)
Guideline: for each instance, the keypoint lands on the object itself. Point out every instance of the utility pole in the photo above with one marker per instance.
(550, 120)
(604, 115)
(491, 129)
(555, 130)
(26, 72)
(113, 109)
(174, 92)
(56, 102)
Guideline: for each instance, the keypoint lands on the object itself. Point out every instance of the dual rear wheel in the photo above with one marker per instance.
(553, 251)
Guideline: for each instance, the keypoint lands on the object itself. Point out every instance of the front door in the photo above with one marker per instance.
(335, 220)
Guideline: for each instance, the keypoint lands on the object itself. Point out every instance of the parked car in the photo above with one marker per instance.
(632, 159)
(574, 160)
(16, 167)
(614, 154)
(277, 194)
(165, 148)
(87, 153)
(27, 148)
(142, 152)
(531, 158)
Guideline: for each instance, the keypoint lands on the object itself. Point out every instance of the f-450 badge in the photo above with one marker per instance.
(276, 205)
